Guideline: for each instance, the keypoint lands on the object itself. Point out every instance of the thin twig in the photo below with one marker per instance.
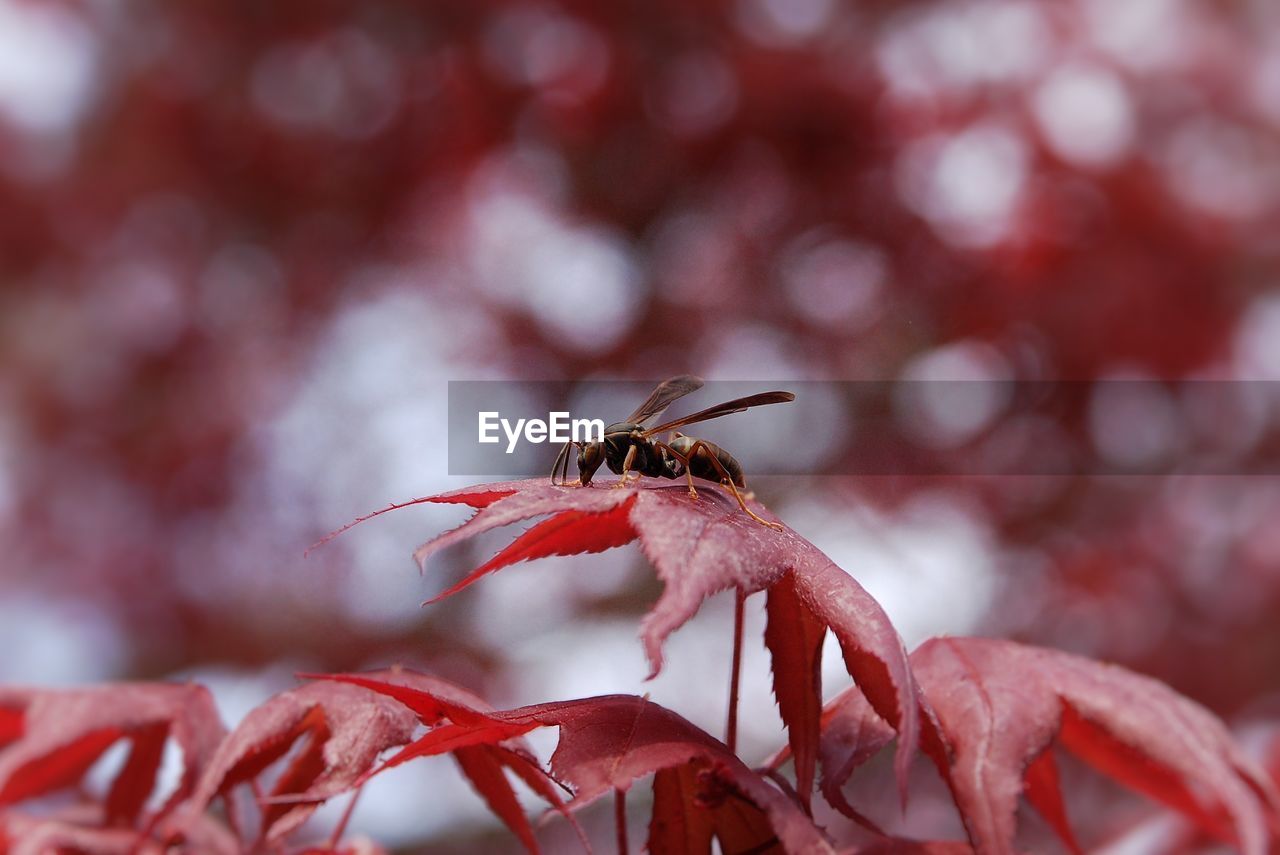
(620, 818)
(731, 727)
(341, 828)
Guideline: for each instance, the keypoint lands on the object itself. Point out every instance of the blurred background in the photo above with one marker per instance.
(244, 246)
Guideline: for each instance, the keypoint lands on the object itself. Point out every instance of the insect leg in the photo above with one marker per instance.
(576, 482)
(682, 460)
(626, 466)
(727, 481)
(561, 459)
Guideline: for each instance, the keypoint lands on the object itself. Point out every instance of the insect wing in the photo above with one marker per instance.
(737, 405)
(662, 396)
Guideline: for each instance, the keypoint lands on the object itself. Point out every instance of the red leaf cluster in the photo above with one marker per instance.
(484, 747)
(52, 738)
(341, 732)
(699, 547)
(305, 746)
(989, 713)
(996, 712)
(1009, 701)
(1002, 706)
(606, 743)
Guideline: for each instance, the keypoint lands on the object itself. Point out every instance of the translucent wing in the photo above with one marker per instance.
(662, 396)
(737, 405)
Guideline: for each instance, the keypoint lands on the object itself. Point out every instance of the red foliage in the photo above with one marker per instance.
(344, 732)
(991, 713)
(606, 743)
(62, 733)
(484, 747)
(850, 733)
(1002, 706)
(698, 547)
(794, 638)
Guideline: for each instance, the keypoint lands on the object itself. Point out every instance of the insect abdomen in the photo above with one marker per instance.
(702, 467)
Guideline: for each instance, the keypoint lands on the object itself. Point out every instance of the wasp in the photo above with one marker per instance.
(630, 446)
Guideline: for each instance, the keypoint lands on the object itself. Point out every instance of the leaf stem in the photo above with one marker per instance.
(341, 828)
(620, 818)
(731, 727)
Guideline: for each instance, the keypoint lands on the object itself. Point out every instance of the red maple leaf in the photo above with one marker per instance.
(55, 735)
(485, 750)
(345, 730)
(1001, 707)
(608, 742)
(850, 733)
(699, 547)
